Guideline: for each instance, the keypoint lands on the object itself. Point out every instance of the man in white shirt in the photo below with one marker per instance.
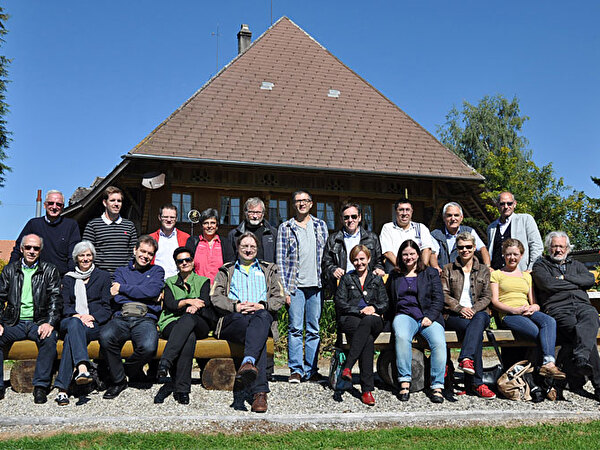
(169, 239)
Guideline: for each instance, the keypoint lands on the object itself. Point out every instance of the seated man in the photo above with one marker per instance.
(561, 284)
(247, 294)
(136, 288)
(30, 308)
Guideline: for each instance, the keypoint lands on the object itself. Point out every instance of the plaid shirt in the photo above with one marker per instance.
(248, 286)
(287, 251)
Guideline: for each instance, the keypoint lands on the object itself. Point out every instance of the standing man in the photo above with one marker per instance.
(254, 221)
(60, 234)
(30, 308)
(445, 238)
(561, 284)
(169, 239)
(247, 294)
(300, 244)
(516, 226)
(113, 237)
(401, 229)
(336, 256)
(136, 289)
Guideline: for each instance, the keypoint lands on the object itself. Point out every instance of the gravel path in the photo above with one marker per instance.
(307, 406)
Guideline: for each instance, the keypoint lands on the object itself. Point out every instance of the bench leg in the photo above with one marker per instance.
(21, 375)
(219, 374)
(386, 369)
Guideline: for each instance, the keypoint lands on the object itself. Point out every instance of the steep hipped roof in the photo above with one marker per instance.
(298, 123)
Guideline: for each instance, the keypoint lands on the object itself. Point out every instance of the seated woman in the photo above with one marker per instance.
(360, 302)
(206, 249)
(467, 294)
(416, 296)
(86, 307)
(185, 317)
(512, 296)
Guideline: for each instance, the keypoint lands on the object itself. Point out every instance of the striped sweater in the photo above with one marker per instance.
(114, 242)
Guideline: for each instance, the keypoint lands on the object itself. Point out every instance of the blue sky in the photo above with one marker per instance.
(89, 80)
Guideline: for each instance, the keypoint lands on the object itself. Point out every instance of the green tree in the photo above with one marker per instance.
(4, 133)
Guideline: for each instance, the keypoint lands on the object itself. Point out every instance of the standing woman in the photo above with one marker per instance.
(415, 293)
(86, 297)
(185, 317)
(206, 248)
(467, 292)
(512, 296)
(360, 302)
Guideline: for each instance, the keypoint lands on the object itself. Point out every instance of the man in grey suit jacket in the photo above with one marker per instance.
(516, 226)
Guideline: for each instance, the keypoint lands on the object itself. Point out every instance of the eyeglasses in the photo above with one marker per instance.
(401, 210)
(37, 248)
(351, 216)
(59, 204)
(464, 247)
(255, 213)
(506, 203)
(248, 247)
(302, 200)
(556, 247)
(168, 217)
(182, 260)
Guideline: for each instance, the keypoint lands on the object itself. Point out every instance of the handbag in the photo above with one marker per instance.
(513, 385)
(336, 366)
(491, 374)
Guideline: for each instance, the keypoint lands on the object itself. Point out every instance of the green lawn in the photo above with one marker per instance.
(581, 435)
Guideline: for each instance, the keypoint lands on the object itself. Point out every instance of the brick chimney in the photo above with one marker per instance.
(244, 38)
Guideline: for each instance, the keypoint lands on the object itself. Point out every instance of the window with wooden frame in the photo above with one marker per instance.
(184, 205)
(230, 210)
(326, 212)
(278, 211)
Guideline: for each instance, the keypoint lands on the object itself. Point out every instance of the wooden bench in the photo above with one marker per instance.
(218, 373)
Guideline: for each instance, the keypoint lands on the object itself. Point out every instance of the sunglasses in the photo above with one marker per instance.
(464, 247)
(32, 247)
(59, 204)
(182, 260)
(506, 203)
(351, 216)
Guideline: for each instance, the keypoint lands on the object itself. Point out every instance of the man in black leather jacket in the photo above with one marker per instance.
(30, 308)
(335, 255)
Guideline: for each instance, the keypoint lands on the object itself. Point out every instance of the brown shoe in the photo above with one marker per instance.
(552, 372)
(259, 405)
(295, 378)
(247, 374)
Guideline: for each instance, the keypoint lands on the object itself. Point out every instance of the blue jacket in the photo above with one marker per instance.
(139, 286)
(98, 296)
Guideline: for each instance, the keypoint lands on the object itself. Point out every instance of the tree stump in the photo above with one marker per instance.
(21, 375)
(219, 374)
(386, 369)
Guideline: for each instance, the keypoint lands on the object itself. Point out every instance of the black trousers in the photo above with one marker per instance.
(252, 330)
(361, 333)
(181, 344)
(577, 326)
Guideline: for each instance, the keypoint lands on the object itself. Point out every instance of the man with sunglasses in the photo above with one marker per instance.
(336, 260)
(515, 226)
(169, 239)
(30, 309)
(60, 234)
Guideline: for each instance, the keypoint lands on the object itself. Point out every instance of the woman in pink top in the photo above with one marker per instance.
(207, 248)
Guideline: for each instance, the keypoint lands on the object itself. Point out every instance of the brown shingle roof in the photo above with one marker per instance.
(297, 123)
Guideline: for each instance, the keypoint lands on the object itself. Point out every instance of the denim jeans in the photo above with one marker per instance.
(144, 336)
(405, 329)
(305, 305)
(537, 327)
(74, 350)
(28, 330)
(470, 331)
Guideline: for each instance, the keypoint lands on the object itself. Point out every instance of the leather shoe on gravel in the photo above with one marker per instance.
(367, 398)
(247, 374)
(259, 405)
(40, 395)
(114, 390)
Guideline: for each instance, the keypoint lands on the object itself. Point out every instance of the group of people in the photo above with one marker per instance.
(112, 286)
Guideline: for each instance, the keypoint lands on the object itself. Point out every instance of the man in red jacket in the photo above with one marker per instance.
(169, 238)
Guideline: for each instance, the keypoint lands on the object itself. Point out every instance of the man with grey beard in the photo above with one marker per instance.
(561, 284)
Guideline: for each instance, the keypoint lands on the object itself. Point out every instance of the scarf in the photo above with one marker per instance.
(81, 303)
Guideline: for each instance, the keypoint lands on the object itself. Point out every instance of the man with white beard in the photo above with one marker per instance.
(561, 284)
(254, 221)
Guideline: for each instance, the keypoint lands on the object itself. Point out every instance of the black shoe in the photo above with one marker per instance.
(114, 390)
(583, 367)
(2, 393)
(404, 396)
(437, 396)
(163, 371)
(40, 395)
(182, 398)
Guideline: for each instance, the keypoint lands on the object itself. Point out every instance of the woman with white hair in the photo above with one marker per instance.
(86, 297)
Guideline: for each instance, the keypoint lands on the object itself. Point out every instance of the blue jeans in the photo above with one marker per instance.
(74, 348)
(144, 336)
(537, 327)
(405, 329)
(28, 330)
(471, 334)
(305, 305)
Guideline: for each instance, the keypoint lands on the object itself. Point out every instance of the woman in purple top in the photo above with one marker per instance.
(417, 298)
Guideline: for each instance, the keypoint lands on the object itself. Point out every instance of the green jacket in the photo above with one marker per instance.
(176, 290)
